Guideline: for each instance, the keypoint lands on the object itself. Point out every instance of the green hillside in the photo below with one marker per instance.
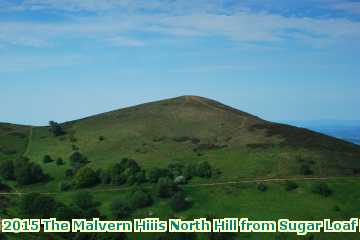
(193, 129)
(189, 130)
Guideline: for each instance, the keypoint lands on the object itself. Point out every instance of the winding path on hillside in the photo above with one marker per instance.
(27, 150)
(259, 180)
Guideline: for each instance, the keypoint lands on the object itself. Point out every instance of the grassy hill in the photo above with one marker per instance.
(193, 129)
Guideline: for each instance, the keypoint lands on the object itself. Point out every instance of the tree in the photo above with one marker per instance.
(306, 170)
(140, 199)
(190, 171)
(120, 209)
(178, 201)
(86, 177)
(65, 186)
(204, 170)
(156, 173)
(56, 129)
(7, 169)
(85, 204)
(76, 158)
(59, 161)
(4, 187)
(47, 159)
(262, 187)
(127, 170)
(323, 189)
(290, 186)
(35, 205)
(27, 172)
(166, 188)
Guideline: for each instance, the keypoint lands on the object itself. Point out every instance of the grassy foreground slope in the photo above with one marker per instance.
(193, 129)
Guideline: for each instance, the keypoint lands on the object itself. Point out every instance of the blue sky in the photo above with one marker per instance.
(281, 60)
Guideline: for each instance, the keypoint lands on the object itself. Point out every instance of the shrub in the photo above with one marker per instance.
(86, 177)
(59, 161)
(190, 171)
(37, 205)
(101, 138)
(156, 173)
(306, 170)
(322, 189)
(290, 186)
(7, 169)
(65, 186)
(47, 159)
(120, 209)
(127, 170)
(140, 199)
(27, 172)
(262, 187)
(166, 188)
(76, 158)
(85, 204)
(204, 170)
(56, 129)
(178, 201)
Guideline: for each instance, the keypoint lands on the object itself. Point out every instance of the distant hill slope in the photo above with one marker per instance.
(192, 129)
(13, 140)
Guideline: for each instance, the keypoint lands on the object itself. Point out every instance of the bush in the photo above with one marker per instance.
(262, 187)
(127, 170)
(204, 170)
(166, 188)
(4, 187)
(104, 176)
(65, 186)
(178, 202)
(322, 189)
(140, 199)
(7, 169)
(120, 209)
(290, 186)
(47, 159)
(85, 204)
(306, 170)
(156, 173)
(27, 172)
(56, 129)
(101, 138)
(35, 205)
(59, 161)
(86, 177)
(190, 171)
(76, 158)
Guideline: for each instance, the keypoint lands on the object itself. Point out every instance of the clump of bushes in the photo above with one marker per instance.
(306, 170)
(126, 171)
(47, 159)
(86, 177)
(166, 187)
(77, 158)
(140, 199)
(262, 187)
(323, 189)
(179, 202)
(56, 129)
(59, 161)
(290, 186)
(23, 171)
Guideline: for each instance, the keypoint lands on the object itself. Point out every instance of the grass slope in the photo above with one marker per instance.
(192, 129)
